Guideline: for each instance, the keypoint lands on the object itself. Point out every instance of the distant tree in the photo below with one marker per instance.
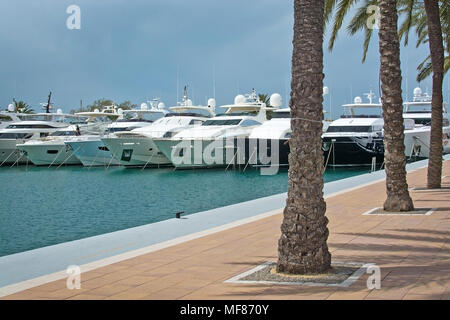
(263, 97)
(127, 105)
(22, 107)
(100, 104)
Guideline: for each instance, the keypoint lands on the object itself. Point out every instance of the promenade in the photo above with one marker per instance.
(412, 251)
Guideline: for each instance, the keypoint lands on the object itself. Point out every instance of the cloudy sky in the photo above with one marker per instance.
(134, 49)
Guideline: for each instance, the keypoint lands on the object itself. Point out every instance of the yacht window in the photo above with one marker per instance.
(249, 123)
(422, 121)
(230, 122)
(349, 129)
(63, 133)
(15, 135)
(195, 121)
(29, 126)
(43, 134)
(284, 115)
(5, 118)
(112, 130)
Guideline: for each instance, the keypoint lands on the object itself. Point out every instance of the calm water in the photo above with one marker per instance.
(45, 206)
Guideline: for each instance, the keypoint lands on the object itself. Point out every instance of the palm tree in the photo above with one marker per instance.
(416, 16)
(22, 107)
(426, 18)
(398, 198)
(437, 62)
(302, 247)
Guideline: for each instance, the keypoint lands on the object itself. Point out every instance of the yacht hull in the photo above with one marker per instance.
(9, 154)
(352, 151)
(191, 154)
(264, 149)
(92, 153)
(136, 152)
(49, 154)
(417, 142)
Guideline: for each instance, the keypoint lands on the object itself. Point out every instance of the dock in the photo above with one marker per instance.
(193, 257)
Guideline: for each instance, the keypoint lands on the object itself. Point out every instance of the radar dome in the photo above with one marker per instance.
(59, 111)
(239, 99)
(212, 102)
(417, 91)
(275, 100)
(11, 107)
(358, 100)
(144, 106)
(96, 111)
(189, 102)
(161, 106)
(120, 111)
(325, 91)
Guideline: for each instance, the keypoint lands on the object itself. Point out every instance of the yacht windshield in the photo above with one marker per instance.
(5, 118)
(63, 133)
(118, 129)
(229, 122)
(349, 129)
(283, 115)
(15, 135)
(29, 126)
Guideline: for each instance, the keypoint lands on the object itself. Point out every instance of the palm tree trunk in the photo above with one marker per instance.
(302, 247)
(398, 198)
(437, 62)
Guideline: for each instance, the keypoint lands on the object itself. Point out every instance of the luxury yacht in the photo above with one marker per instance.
(276, 130)
(91, 150)
(136, 147)
(417, 140)
(219, 141)
(51, 150)
(35, 126)
(355, 139)
(10, 116)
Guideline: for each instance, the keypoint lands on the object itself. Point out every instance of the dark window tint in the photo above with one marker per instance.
(284, 114)
(15, 135)
(29, 126)
(230, 122)
(349, 129)
(63, 133)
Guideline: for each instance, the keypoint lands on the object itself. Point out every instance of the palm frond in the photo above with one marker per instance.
(409, 20)
(343, 8)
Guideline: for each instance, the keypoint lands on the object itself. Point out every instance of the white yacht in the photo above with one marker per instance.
(136, 148)
(276, 130)
(10, 116)
(417, 140)
(220, 141)
(355, 139)
(35, 126)
(90, 149)
(51, 150)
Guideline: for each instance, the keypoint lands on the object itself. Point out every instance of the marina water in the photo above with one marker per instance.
(46, 206)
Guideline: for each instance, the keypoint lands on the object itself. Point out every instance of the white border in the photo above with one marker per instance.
(369, 213)
(346, 283)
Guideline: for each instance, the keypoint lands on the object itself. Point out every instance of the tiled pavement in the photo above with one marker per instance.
(413, 253)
